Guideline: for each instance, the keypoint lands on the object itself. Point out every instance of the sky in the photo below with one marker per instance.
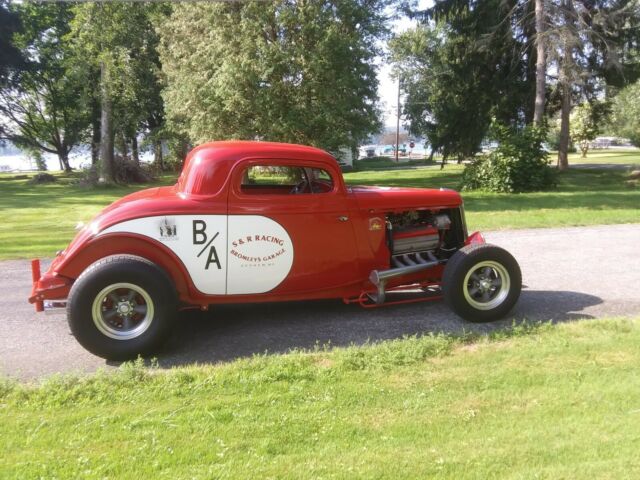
(388, 87)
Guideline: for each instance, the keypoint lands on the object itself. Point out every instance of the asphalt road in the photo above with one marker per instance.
(569, 274)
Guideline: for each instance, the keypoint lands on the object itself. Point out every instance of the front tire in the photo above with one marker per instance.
(121, 307)
(481, 283)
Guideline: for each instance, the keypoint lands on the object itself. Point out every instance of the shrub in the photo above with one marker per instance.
(518, 164)
(41, 178)
(126, 172)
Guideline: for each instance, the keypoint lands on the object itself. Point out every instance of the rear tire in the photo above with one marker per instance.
(121, 307)
(481, 283)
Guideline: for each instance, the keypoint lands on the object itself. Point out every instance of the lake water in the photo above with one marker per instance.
(17, 161)
(13, 160)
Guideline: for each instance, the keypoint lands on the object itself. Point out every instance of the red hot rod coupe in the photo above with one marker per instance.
(264, 222)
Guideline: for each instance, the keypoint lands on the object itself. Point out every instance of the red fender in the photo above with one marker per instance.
(132, 244)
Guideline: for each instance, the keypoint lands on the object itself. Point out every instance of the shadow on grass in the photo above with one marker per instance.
(229, 332)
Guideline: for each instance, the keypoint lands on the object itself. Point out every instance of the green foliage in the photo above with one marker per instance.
(28, 215)
(299, 72)
(120, 37)
(459, 72)
(11, 58)
(518, 164)
(584, 125)
(43, 107)
(625, 117)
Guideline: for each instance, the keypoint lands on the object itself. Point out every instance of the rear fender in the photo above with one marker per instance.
(132, 244)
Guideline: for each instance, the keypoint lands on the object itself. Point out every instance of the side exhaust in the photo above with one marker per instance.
(403, 265)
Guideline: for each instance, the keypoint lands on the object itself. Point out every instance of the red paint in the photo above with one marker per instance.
(476, 238)
(35, 276)
(415, 232)
(335, 247)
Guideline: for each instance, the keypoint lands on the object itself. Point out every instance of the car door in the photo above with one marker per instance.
(289, 229)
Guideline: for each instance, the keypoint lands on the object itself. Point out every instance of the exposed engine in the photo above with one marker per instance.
(417, 231)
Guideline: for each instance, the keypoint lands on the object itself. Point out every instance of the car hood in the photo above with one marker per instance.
(387, 199)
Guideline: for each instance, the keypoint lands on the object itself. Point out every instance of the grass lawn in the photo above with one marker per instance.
(554, 401)
(609, 155)
(583, 197)
(375, 163)
(38, 220)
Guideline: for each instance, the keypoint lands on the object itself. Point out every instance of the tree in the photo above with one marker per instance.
(577, 44)
(461, 68)
(541, 63)
(118, 41)
(10, 56)
(41, 104)
(581, 39)
(287, 71)
(625, 115)
(584, 126)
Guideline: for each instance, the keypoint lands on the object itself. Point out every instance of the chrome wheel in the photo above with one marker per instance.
(486, 285)
(122, 311)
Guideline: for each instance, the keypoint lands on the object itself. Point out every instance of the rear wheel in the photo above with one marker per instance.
(121, 307)
(481, 282)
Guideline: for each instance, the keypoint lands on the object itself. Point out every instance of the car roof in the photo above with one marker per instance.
(207, 166)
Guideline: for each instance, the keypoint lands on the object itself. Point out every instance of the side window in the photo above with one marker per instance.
(285, 180)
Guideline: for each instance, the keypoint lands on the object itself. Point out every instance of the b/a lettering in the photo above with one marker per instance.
(200, 237)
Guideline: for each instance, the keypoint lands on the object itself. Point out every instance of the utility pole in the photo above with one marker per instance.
(398, 125)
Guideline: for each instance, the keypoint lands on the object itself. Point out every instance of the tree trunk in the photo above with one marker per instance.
(565, 90)
(184, 151)
(107, 173)
(64, 161)
(95, 143)
(95, 134)
(134, 150)
(541, 64)
(563, 149)
(122, 146)
(584, 148)
(157, 150)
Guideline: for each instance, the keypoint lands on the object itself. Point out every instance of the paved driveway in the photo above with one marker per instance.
(568, 273)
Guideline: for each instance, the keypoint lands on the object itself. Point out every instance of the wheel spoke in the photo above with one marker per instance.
(475, 277)
(126, 323)
(122, 311)
(473, 291)
(487, 272)
(497, 282)
(485, 297)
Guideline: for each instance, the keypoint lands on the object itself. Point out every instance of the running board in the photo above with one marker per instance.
(404, 265)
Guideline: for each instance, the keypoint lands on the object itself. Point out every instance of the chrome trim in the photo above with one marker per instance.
(464, 222)
(52, 307)
(404, 265)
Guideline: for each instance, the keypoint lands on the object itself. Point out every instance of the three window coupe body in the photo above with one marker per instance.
(265, 222)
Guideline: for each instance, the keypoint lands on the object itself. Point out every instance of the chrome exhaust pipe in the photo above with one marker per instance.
(404, 265)
(54, 306)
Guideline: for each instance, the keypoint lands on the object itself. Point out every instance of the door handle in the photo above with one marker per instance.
(343, 218)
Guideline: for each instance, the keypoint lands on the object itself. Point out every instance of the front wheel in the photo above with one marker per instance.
(481, 282)
(121, 307)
